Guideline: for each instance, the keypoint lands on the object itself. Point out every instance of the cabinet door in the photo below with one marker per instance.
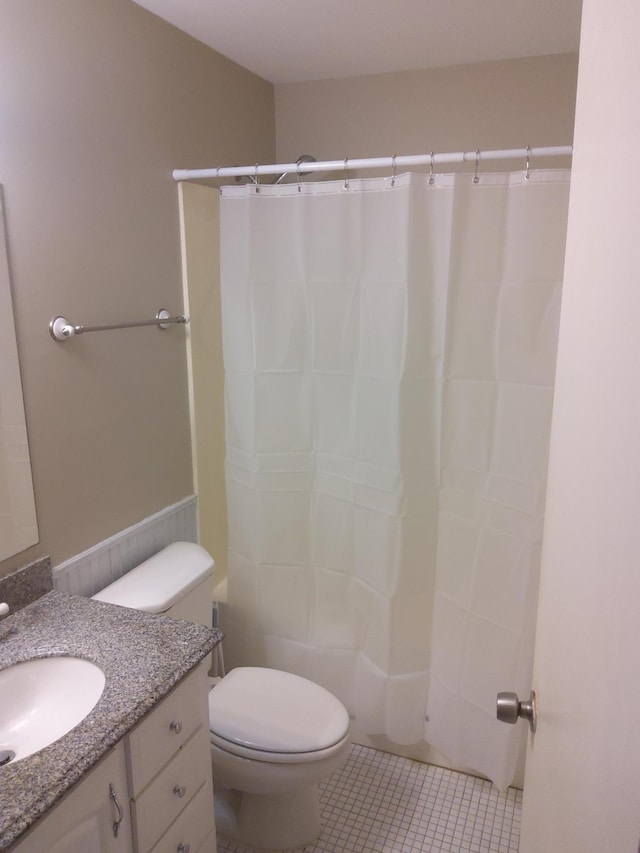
(84, 820)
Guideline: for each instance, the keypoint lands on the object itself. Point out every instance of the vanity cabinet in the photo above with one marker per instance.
(169, 770)
(160, 773)
(89, 816)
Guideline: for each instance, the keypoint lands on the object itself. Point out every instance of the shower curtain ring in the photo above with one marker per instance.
(346, 174)
(256, 179)
(476, 179)
(432, 180)
(393, 170)
(528, 172)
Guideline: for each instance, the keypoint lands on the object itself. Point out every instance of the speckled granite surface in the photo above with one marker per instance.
(143, 657)
(26, 584)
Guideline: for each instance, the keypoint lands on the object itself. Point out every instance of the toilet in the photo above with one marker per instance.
(274, 735)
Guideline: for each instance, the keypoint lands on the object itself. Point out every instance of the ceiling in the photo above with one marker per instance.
(288, 41)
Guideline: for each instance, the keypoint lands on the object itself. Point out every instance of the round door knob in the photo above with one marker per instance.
(176, 727)
(510, 709)
(179, 790)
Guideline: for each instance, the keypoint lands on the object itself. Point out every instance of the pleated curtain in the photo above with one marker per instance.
(389, 356)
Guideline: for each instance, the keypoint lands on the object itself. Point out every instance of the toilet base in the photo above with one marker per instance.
(269, 821)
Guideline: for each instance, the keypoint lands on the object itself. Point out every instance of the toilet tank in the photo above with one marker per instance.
(177, 582)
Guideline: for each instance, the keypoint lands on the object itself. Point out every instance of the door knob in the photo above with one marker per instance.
(510, 708)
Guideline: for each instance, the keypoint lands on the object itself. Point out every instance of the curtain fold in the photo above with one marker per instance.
(389, 358)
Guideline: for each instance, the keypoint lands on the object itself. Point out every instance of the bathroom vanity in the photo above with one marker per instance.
(135, 774)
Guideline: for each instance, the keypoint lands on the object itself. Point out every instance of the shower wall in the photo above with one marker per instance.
(507, 104)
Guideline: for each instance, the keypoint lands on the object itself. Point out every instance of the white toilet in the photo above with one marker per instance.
(274, 736)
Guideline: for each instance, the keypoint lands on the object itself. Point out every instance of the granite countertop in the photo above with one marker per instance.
(143, 657)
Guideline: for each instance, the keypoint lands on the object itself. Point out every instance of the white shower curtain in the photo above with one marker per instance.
(389, 361)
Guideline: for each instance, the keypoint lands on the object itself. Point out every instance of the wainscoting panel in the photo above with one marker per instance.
(87, 573)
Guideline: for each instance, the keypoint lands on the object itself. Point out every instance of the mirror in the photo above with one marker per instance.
(18, 525)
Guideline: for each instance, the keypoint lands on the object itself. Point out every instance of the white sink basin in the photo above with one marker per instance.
(41, 700)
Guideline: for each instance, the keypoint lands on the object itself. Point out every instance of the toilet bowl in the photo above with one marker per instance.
(274, 735)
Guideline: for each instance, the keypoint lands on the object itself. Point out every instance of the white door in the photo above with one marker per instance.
(582, 784)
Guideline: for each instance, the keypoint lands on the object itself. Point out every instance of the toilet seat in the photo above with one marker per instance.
(269, 715)
(276, 757)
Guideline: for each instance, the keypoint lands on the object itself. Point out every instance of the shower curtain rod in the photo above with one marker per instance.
(393, 162)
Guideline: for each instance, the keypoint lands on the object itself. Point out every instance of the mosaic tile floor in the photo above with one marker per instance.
(380, 803)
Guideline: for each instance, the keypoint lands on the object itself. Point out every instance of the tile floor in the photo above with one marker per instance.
(380, 803)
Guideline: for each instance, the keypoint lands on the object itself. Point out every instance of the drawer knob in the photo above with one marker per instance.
(179, 791)
(176, 727)
(183, 848)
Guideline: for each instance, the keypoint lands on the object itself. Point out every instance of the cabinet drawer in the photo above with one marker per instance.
(161, 802)
(193, 826)
(209, 844)
(152, 743)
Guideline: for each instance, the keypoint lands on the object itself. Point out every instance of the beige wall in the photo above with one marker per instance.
(99, 102)
(509, 104)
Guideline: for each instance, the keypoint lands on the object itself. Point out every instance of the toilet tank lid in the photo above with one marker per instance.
(155, 585)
